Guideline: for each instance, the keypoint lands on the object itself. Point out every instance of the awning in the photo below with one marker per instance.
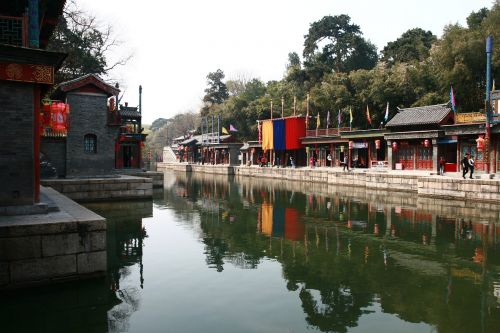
(447, 141)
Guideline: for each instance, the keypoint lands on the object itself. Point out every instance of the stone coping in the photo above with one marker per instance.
(52, 222)
(97, 180)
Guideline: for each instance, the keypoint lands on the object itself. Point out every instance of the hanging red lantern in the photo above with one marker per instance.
(394, 145)
(351, 144)
(377, 144)
(59, 117)
(427, 143)
(480, 143)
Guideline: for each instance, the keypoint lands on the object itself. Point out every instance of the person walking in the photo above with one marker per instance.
(471, 166)
(346, 162)
(292, 162)
(442, 162)
(465, 165)
(329, 159)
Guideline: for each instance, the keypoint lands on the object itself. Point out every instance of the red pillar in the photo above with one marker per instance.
(36, 143)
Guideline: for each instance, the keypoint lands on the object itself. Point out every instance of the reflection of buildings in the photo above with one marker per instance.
(125, 237)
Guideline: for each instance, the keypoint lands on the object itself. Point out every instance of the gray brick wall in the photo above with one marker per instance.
(54, 150)
(16, 144)
(89, 116)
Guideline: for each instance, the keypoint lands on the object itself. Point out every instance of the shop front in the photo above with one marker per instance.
(367, 148)
(413, 154)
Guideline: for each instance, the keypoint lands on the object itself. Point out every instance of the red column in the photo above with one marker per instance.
(36, 143)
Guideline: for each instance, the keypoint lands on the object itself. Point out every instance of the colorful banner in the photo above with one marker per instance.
(279, 134)
(278, 222)
(294, 130)
(267, 219)
(294, 229)
(267, 135)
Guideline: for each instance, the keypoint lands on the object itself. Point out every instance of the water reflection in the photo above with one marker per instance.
(125, 241)
(347, 252)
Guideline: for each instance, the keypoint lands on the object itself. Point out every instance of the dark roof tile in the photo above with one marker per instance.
(421, 115)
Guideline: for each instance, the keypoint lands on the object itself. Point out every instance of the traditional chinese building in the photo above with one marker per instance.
(26, 74)
(129, 145)
(87, 147)
(414, 135)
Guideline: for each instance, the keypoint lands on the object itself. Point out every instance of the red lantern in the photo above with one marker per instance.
(377, 144)
(59, 117)
(186, 148)
(427, 143)
(394, 145)
(480, 143)
(351, 144)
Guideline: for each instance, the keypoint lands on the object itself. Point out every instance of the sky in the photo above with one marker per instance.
(175, 44)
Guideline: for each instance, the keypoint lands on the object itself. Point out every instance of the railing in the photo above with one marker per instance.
(13, 30)
(326, 132)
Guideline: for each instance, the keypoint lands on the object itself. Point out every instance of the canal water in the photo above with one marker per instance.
(215, 254)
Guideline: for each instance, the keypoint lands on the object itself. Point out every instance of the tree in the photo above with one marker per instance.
(413, 45)
(345, 48)
(87, 44)
(216, 93)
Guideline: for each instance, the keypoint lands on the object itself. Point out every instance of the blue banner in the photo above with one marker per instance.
(279, 134)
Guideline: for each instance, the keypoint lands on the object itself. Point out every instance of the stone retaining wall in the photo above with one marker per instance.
(157, 177)
(92, 189)
(43, 248)
(423, 185)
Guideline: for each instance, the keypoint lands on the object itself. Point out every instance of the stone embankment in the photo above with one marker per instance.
(425, 185)
(112, 188)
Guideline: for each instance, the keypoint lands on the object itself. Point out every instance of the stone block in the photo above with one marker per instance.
(16, 248)
(92, 262)
(4, 273)
(62, 244)
(42, 268)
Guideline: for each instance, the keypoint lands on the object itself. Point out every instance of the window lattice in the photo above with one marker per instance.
(90, 143)
(11, 31)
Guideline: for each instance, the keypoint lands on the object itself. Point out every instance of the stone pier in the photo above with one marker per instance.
(67, 243)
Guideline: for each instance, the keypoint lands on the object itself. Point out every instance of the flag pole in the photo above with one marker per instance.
(282, 106)
(271, 109)
(307, 113)
(294, 104)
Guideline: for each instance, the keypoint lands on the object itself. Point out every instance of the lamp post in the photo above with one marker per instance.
(489, 50)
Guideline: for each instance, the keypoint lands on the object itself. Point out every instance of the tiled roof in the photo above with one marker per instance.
(421, 115)
(131, 112)
(88, 79)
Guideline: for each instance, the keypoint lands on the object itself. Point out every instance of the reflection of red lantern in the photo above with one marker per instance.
(351, 144)
(376, 229)
(427, 143)
(349, 224)
(394, 145)
(480, 143)
(377, 144)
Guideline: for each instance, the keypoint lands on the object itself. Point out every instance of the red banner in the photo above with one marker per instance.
(295, 128)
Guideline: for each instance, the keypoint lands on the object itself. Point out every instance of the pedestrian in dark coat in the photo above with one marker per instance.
(465, 165)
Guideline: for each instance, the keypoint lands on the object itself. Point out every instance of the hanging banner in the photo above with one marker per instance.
(279, 134)
(295, 128)
(267, 135)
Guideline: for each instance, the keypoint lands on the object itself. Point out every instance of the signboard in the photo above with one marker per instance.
(27, 73)
(471, 117)
(359, 145)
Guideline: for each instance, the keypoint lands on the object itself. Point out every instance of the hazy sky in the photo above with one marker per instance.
(177, 43)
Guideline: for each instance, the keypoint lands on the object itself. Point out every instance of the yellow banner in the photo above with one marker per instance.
(267, 135)
(471, 117)
(267, 219)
